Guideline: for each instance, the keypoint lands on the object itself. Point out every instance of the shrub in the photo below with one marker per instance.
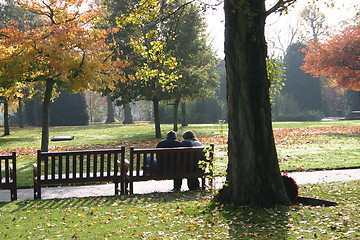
(302, 116)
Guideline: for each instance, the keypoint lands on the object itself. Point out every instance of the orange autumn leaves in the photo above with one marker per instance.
(283, 136)
(337, 59)
(65, 44)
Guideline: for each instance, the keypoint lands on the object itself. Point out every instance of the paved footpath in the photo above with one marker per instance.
(166, 186)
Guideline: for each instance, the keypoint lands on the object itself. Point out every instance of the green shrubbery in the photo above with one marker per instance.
(301, 116)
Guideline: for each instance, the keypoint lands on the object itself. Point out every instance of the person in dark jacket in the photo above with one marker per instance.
(191, 141)
(170, 142)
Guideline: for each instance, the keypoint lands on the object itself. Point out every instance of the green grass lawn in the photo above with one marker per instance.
(185, 215)
(300, 145)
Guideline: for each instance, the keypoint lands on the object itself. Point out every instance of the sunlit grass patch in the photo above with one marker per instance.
(185, 215)
(300, 145)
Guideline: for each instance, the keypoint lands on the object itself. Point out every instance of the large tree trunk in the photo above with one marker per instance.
(20, 112)
(127, 114)
(6, 117)
(157, 118)
(110, 110)
(46, 115)
(253, 174)
(184, 122)
(176, 107)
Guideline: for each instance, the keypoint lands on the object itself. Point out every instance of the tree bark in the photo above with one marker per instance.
(110, 110)
(253, 174)
(184, 122)
(46, 115)
(176, 107)
(157, 118)
(20, 111)
(6, 117)
(127, 114)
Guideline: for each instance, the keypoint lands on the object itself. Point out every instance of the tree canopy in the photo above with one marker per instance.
(66, 50)
(337, 59)
(302, 87)
(167, 50)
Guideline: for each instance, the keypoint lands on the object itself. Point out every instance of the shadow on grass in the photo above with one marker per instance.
(344, 135)
(25, 176)
(9, 139)
(232, 221)
(109, 200)
(255, 223)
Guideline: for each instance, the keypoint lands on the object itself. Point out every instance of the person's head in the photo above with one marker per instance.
(188, 135)
(171, 135)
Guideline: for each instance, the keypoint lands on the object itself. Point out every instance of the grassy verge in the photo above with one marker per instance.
(186, 215)
(300, 145)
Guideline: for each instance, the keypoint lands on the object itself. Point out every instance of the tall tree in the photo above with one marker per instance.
(152, 68)
(304, 88)
(337, 59)
(69, 110)
(171, 54)
(5, 101)
(10, 92)
(313, 21)
(94, 103)
(66, 51)
(110, 110)
(253, 174)
(196, 59)
(127, 114)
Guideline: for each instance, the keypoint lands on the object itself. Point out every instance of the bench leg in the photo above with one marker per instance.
(13, 193)
(116, 188)
(37, 191)
(123, 187)
(131, 186)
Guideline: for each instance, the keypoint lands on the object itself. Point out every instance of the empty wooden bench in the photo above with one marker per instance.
(70, 167)
(169, 163)
(8, 174)
(354, 115)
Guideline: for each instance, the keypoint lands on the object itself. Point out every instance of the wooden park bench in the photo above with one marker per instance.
(8, 174)
(355, 115)
(71, 167)
(169, 163)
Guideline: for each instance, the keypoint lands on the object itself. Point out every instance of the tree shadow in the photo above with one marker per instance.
(254, 223)
(344, 135)
(64, 203)
(5, 139)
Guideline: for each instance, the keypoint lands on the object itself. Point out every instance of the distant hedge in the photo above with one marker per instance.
(66, 110)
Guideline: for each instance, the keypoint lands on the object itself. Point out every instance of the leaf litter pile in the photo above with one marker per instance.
(283, 136)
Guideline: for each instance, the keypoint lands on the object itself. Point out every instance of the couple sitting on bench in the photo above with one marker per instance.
(189, 140)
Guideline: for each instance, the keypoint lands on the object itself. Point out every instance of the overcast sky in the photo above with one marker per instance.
(343, 10)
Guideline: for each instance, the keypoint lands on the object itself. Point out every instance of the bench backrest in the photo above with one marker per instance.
(8, 169)
(89, 165)
(169, 162)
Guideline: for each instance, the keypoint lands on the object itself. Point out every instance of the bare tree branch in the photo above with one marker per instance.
(281, 5)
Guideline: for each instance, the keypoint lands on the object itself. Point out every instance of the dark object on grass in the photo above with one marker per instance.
(62, 138)
(292, 189)
(315, 202)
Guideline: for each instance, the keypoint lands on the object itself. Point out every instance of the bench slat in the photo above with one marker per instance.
(80, 167)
